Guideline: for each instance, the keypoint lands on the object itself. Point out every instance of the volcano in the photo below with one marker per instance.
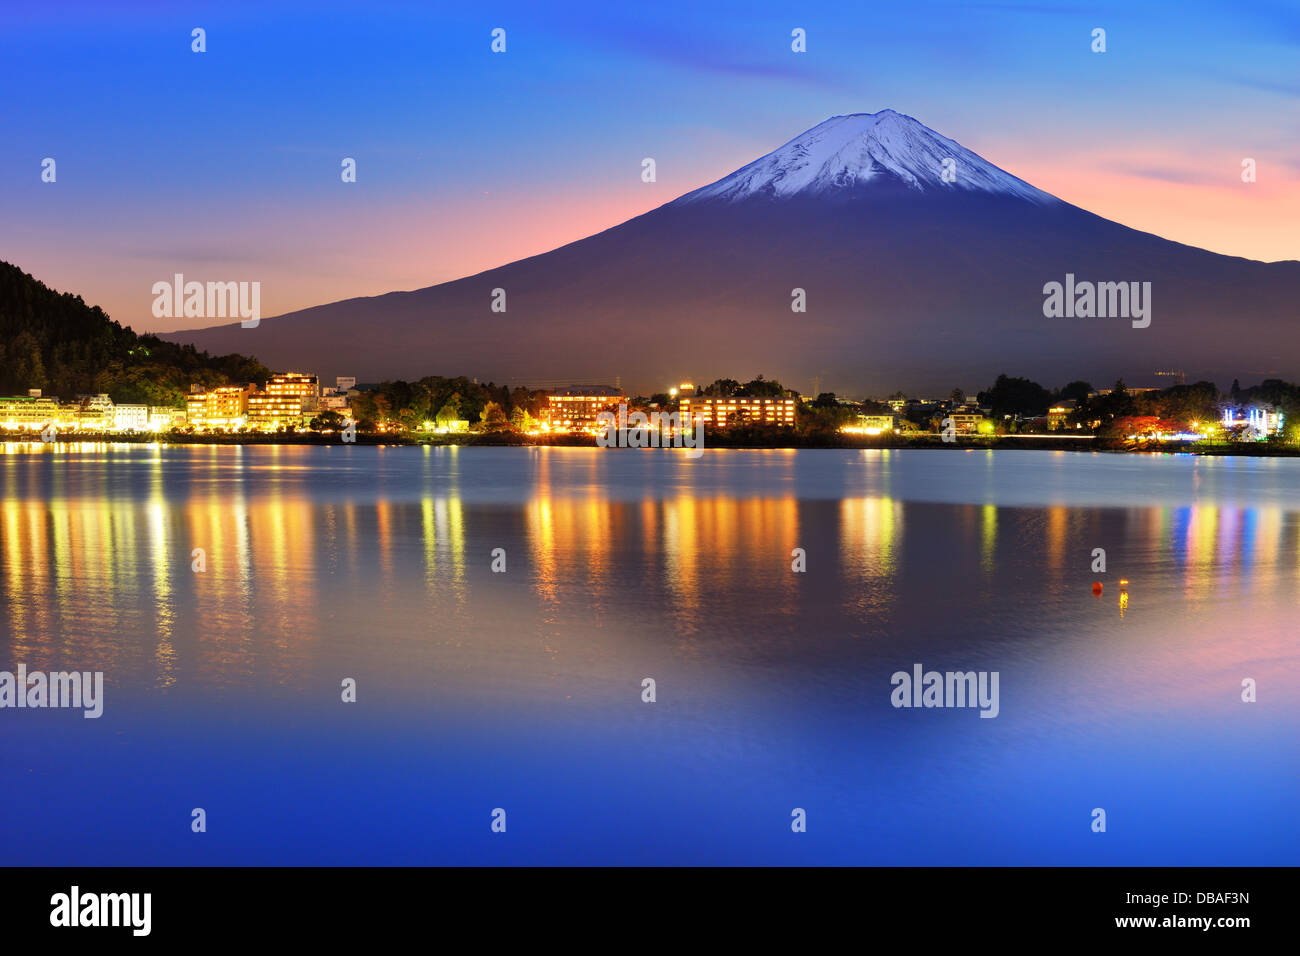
(918, 264)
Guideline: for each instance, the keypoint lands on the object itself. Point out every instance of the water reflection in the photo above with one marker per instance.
(376, 563)
(94, 570)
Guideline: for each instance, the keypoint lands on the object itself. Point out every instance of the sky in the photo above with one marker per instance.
(225, 165)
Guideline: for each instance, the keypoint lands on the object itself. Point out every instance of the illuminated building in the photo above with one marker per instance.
(162, 418)
(965, 420)
(225, 407)
(1103, 392)
(872, 425)
(29, 411)
(721, 412)
(332, 400)
(289, 399)
(579, 408)
(306, 388)
(1057, 414)
(94, 413)
(133, 418)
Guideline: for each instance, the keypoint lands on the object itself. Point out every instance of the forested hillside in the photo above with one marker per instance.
(56, 342)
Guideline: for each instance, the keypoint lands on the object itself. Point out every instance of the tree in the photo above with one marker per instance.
(328, 420)
(957, 397)
(722, 388)
(1016, 396)
(1119, 403)
(493, 418)
(449, 412)
(761, 388)
(522, 420)
(1076, 391)
(28, 368)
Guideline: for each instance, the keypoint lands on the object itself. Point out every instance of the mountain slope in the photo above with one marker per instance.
(910, 281)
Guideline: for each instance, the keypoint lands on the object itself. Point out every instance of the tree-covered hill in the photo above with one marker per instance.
(56, 342)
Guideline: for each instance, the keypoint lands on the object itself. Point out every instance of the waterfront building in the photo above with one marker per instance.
(130, 418)
(719, 412)
(30, 411)
(578, 408)
(966, 419)
(162, 418)
(94, 413)
(225, 407)
(872, 425)
(289, 400)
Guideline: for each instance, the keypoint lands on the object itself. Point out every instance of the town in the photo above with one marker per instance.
(760, 411)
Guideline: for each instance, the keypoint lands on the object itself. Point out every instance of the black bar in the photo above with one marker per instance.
(926, 905)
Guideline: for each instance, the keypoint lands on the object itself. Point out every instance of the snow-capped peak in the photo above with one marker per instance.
(851, 151)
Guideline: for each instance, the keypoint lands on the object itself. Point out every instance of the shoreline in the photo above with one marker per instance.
(1071, 443)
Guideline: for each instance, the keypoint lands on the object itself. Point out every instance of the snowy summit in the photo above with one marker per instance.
(862, 149)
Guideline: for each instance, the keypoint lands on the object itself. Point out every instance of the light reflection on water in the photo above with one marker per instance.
(374, 563)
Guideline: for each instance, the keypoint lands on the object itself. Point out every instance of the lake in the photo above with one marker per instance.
(522, 689)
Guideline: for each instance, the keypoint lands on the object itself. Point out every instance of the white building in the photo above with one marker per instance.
(133, 418)
(94, 413)
(162, 418)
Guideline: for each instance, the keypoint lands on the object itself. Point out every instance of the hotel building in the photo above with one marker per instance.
(721, 412)
(94, 413)
(133, 418)
(30, 411)
(162, 418)
(289, 400)
(224, 407)
(579, 408)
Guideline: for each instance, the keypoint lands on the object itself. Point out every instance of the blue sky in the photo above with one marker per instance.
(225, 164)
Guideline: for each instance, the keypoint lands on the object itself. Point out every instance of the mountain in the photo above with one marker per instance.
(923, 266)
(56, 342)
(875, 150)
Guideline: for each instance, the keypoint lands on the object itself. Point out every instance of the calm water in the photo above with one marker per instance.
(522, 690)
